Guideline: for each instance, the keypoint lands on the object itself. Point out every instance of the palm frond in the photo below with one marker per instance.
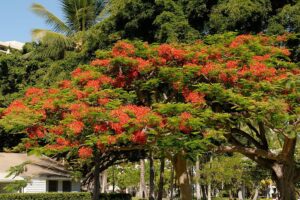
(51, 19)
(80, 15)
(54, 44)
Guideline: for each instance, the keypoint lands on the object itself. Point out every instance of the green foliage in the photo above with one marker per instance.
(47, 196)
(15, 186)
(287, 20)
(240, 15)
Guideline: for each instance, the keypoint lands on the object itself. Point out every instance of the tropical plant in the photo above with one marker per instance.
(80, 15)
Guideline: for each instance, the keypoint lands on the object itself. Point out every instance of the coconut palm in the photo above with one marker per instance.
(79, 16)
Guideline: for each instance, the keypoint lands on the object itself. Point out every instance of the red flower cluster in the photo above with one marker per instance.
(239, 40)
(99, 128)
(85, 152)
(103, 101)
(122, 48)
(193, 97)
(170, 53)
(65, 84)
(139, 137)
(34, 92)
(57, 130)
(48, 104)
(184, 117)
(36, 132)
(15, 106)
(62, 141)
(98, 62)
(76, 127)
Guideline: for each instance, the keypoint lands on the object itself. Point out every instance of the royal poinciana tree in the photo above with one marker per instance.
(232, 94)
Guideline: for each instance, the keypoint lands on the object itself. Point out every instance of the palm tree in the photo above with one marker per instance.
(79, 16)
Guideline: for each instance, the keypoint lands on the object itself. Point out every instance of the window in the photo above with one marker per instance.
(67, 186)
(52, 186)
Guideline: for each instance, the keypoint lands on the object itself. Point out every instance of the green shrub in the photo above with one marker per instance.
(63, 196)
(114, 196)
(47, 196)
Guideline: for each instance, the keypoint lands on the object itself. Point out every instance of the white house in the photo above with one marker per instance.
(45, 174)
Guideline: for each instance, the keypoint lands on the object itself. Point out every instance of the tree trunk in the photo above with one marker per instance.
(255, 196)
(284, 178)
(182, 175)
(161, 179)
(198, 189)
(151, 178)
(209, 191)
(204, 192)
(143, 191)
(96, 190)
(172, 183)
(104, 182)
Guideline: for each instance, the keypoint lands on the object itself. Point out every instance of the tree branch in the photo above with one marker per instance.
(247, 136)
(247, 151)
(288, 149)
(262, 133)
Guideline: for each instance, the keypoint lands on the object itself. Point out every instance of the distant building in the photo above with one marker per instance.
(12, 44)
(46, 175)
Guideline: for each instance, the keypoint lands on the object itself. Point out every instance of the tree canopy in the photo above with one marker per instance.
(242, 90)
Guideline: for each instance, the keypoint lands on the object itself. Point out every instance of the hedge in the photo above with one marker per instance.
(62, 196)
(116, 196)
(47, 196)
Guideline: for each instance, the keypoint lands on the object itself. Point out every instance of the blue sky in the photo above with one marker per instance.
(17, 20)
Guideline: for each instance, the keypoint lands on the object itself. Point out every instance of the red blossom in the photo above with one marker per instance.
(76, 127)
(143, 64)
(62, 141)
(53, 91)
(103, 101)
(94, 84)
(100, 146)
(98, 62)
(261, 58)
(15, 106)
(27, 145)
(184, 117)
(105, 79)
(139, 137)
(206, 69)
(169, 53)
(122, 48)
(85, 152)
(65, 84)
(120, 81)
(193, 97)
(57, 130)
(35, 100)
(232, 64)
(240, 40)
(228, 79)
(111, 139)
(36, 132)
(34, 92)
(99, 128)
(79, 94)
(48, 104)
(281, 38)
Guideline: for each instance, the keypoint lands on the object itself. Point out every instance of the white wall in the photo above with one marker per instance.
(40, 186)
(36, 186)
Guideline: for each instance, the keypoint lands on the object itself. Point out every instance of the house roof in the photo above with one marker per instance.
(38, 167)
(13, 44)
